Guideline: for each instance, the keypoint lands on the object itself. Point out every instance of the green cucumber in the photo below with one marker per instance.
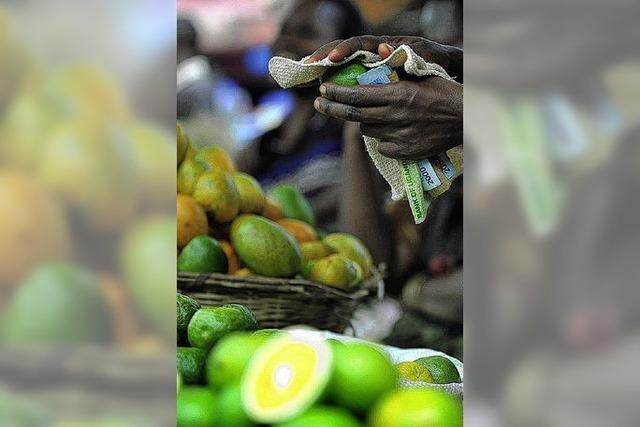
(191, 364)
(186, 308)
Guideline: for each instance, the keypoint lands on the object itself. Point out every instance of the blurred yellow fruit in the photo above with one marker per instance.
(149, 267)
(152, 151)
(272, 209)
(32, 225)
(24, 129)
(192, 221)
(182, 143)
(14, 60)
(302, 231)
(217, 193)
(188, 173)
(88, 165)
(85, 90)
(216, 157)
(252, 197)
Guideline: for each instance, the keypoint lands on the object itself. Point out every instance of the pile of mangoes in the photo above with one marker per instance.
(228, 224)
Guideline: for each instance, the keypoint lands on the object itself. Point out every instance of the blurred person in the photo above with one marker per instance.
(413, 118)
(305, 150)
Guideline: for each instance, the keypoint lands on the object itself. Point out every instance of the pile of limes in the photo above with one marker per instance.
(228, 224)
(234, 376)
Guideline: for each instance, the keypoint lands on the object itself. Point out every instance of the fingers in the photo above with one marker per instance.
(352, 45)
(385, 50)
(350, 113)
(322, 52)
(363, 96)
(377, 130)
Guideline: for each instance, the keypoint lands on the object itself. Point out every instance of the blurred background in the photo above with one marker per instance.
(551, 208)
(87, 148)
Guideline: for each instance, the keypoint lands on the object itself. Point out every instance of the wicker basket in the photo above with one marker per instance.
(278, 303)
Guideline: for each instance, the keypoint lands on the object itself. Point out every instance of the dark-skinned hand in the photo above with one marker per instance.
(448, 57)
(412, 119)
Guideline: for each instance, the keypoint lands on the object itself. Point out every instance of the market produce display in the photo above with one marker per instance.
(228, 224)
(232, 375)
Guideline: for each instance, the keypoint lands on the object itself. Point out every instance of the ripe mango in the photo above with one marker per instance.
(302, 231)
(337, 271)
(265, 247)
(294, 204)
(352, 248)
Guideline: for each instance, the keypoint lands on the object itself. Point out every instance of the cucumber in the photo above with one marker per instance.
(186, 308)
(209, 324)
(191, 364)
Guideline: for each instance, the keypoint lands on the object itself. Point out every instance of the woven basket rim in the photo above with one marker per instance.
(192, 281)
(258, 283)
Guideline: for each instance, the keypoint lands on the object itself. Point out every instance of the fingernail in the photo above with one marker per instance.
(316, 104)
(388, 46)
(323, 90)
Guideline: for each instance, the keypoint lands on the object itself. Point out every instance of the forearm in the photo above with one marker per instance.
(360, 211)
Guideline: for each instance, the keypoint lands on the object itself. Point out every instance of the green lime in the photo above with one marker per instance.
(229, 358)
(229, 408)
(442, 369)
(203, 254)
(186, 307)
(285, 377)
(323, 416)
(361, 375)
(413, 407)
(269, 333)
(345, 75)
(196, 407)
(413, 371)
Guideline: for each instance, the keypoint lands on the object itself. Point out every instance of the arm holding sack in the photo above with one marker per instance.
(412, 119)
